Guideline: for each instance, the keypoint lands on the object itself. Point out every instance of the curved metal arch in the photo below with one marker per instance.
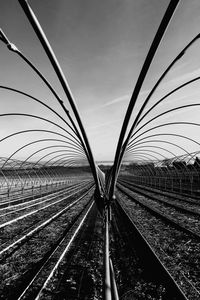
(5, 178)
(69, 160)
(85, 143)
(146, 157)
(144, 167)
(181, 53)
(61, 77)
(55, 94)
(28, 170)
(194, 154)
(57, 174)
(41, 168)
(39, 101)
(151, 93)
(74, 155)
(157, 147)
(151, 53)
(159, 170)
(64, 154)
(33, 116)
(150, 155)
(9, 182)
(62, 163)
(71, 165)
(141, 166)
(141, 141)
(172, 134)
(45, 148)
(174, 156)
(14, 165)
(12, 176)
(46, 163)
(167, 112)
(162, 141)
(78, 160)
(68, 157)
(67, 164)
(14, 49)
(45, 174)
(37, 175)
(162, 125)
(31, 143)
(166, 96)
(74, 128)
(41, 130)
(146, 150)
(193, 167)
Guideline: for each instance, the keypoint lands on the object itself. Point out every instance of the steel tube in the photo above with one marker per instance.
(152, 51)
(107, 283)
(49, 51)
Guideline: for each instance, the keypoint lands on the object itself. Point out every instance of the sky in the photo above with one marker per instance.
(101, 46)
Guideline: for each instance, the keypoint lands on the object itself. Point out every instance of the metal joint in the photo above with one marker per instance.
(12, 47)
(6, 41)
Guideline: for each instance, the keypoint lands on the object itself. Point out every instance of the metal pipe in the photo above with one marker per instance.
(72, 142)
(167, 112)
(107, 283)
(13, 48)
(44, 104)
(141, 141)
(170, 134)
(34, 116)
(31, 143)
(49, 51)
(40, 150)
(115, 295)
(166, 96)
(152, 51)
(135, 123)
(65, 155)
(158, 126)
(157, 147)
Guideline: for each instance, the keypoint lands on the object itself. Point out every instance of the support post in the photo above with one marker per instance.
(107, 283)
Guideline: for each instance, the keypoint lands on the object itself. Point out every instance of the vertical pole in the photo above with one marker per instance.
(113, 282)
(107, 284)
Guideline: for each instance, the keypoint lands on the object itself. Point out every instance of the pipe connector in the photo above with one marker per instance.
(6, 41)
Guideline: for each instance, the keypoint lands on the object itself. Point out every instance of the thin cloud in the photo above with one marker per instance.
(118, 100)
(109, 103)
(103, 125)
(124, 98)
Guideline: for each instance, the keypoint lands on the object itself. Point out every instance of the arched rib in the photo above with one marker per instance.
(31, 143)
